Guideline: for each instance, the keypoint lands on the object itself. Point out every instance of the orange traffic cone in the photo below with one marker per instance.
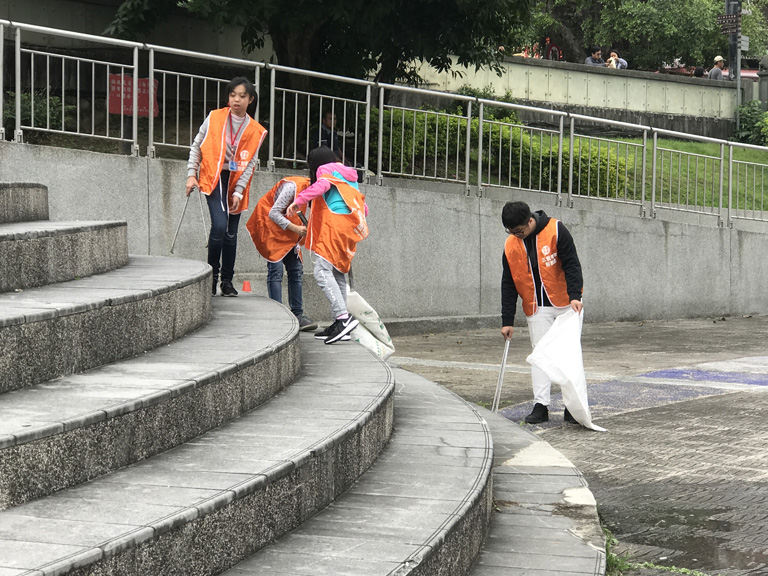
(247, 286)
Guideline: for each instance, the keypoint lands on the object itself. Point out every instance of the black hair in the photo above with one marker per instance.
(515, 214)
(614, 50)
(594, 49)
(250, 89)
(698, 72)
(318, 157)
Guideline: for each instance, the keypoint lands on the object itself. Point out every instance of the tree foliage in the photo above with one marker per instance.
(648, 33)
(352, 37)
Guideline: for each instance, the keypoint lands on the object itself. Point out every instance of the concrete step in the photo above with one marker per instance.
(200, 508)
(22, 202)
(73, 326)
(545, 519)
(41, 252)
(76, 428)
(422, 508)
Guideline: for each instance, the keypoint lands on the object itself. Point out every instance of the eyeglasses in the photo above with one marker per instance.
(519, 231)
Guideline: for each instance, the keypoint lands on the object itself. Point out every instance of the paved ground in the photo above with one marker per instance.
(681, 477)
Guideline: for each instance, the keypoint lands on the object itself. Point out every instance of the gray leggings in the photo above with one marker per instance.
(333, 284)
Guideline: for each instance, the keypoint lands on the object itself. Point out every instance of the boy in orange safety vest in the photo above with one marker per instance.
(337, 223)
(540, 264)
(278, 240)
(221, 163)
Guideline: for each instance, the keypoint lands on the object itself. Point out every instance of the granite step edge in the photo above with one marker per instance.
(36, 460)
(244, 516)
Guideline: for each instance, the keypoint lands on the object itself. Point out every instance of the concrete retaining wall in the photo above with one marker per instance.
(432, 252)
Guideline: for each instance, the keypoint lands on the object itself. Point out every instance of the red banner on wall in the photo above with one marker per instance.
(121, 85)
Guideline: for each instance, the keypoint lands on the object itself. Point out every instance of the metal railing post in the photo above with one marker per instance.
(571, 142)
(480, 118)
(560, 161)
(257, 86)
(730, 182)
(468, 146)
(151, 117)
(17, 135)
(272, 81)
(367, 144)
(2, 74)
(642, 180)
(380, 155)
(653, 174)
(721, 186)
(135, 123)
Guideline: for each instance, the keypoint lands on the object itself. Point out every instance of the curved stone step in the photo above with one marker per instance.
(39, 253)
(200, 508)
(78, 427)
(22, 202)
(545, 520)
(73, 326)
(422, 508)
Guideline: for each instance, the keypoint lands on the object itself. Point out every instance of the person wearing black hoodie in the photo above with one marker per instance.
(540, 264)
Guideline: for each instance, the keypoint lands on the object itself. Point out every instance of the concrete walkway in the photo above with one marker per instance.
(681, 478)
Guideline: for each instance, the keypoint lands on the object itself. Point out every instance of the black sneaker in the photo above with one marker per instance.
(569, 418)
(323, 334)
(213, 288)
(539, 414)
(341, 328)
(227, 289)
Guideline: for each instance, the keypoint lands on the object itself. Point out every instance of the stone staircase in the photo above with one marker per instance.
(147, 429)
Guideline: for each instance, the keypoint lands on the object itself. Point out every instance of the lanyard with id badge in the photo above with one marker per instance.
(232, 140)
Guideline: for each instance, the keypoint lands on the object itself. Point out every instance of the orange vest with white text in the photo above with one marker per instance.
(334, 236)
(550, 269)
(272, 242)
(213, 149)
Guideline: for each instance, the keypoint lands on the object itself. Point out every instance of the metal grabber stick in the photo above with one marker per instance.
(497, 396)
(173, 244)
(202, 217)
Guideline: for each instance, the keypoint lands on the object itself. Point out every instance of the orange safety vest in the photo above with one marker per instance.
(213, 147)
(550, 269)
(333, 236)
(272, 242)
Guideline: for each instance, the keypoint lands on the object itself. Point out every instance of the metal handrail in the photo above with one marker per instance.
(608, 163)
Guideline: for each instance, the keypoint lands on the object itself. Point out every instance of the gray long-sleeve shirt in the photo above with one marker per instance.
(196, 156)
(284, 196)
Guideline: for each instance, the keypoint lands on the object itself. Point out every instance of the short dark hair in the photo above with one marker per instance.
(594, 49)
(515, 214)
(698, 72)
(250, 89)
(318, 157)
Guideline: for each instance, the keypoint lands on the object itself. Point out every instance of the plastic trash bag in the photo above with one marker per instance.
(368, 317)
(361, 335)
(558, 354)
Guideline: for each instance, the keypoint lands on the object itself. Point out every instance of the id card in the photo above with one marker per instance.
(232, 166)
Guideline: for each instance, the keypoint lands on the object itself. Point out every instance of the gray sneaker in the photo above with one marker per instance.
(305, 324)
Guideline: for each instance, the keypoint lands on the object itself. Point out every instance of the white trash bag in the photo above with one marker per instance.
(361, 335)
(558, 354)
(368, 318)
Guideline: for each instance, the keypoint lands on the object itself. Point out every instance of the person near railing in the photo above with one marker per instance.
(327, 135)
(337, 222)
(595, 58)
(540, 264)
(616, 61)
(221, 163)
(279, 240)
(717, 70)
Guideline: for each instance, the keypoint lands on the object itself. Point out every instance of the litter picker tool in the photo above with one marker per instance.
(497, 396)
(175, 236)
